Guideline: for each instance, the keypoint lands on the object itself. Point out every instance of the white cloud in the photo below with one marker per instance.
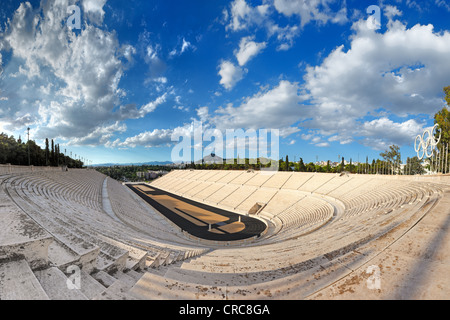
(391, 11)
(401, 71)
(151, 139)
(150, 52)
(202, 113)
(244, 16)
(386, 130)
(77, 74)
(99, 135)
(285, 36)
(230, 74)
(146, 139)
(248, 49)
(93, 10)
(315, 139)
(310, 10)
(323, 145)
(131, 112)
(278, 108)
(185, 46)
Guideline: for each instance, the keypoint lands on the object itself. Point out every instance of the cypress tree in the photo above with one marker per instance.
(301, 165)
(52, 154)
(47, 152)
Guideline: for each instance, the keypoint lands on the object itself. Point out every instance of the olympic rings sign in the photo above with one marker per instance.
(426, 143)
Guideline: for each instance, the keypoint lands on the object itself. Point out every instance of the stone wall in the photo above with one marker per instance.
(8, 169)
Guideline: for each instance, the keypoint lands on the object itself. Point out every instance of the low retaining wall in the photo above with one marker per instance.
(8, 169)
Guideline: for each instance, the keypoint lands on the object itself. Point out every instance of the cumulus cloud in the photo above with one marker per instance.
(391, 11)
(100, 135)
(248, 49)
(78, 74)
(230, 74)
(244, 16)
(277, 108)
(310, 10)
(93, 10)
(380, 133)
(401, 71)
(146, 139)
(154, 138)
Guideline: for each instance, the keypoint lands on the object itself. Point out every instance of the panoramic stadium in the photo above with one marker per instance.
(165, 151)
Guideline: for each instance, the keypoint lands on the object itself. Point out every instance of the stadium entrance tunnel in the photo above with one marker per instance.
(198, 219)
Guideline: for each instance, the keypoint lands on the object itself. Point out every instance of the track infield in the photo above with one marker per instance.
(198, 219)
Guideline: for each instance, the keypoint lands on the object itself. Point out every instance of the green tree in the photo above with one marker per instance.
(393, 158)
(442, 119)
(52, 154)
(413, 166)
(311, 167)
(47, 152)
(447, 95)
(301, 165)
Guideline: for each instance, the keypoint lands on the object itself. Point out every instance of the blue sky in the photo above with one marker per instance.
(331, 77)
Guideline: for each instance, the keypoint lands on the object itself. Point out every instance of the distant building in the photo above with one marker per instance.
(141, 175)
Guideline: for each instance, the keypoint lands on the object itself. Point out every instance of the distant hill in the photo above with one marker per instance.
(211, 159)
(151, 163)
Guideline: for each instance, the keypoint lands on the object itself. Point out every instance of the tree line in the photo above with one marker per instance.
(129, 173)
(18, 152)
(388, 165)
